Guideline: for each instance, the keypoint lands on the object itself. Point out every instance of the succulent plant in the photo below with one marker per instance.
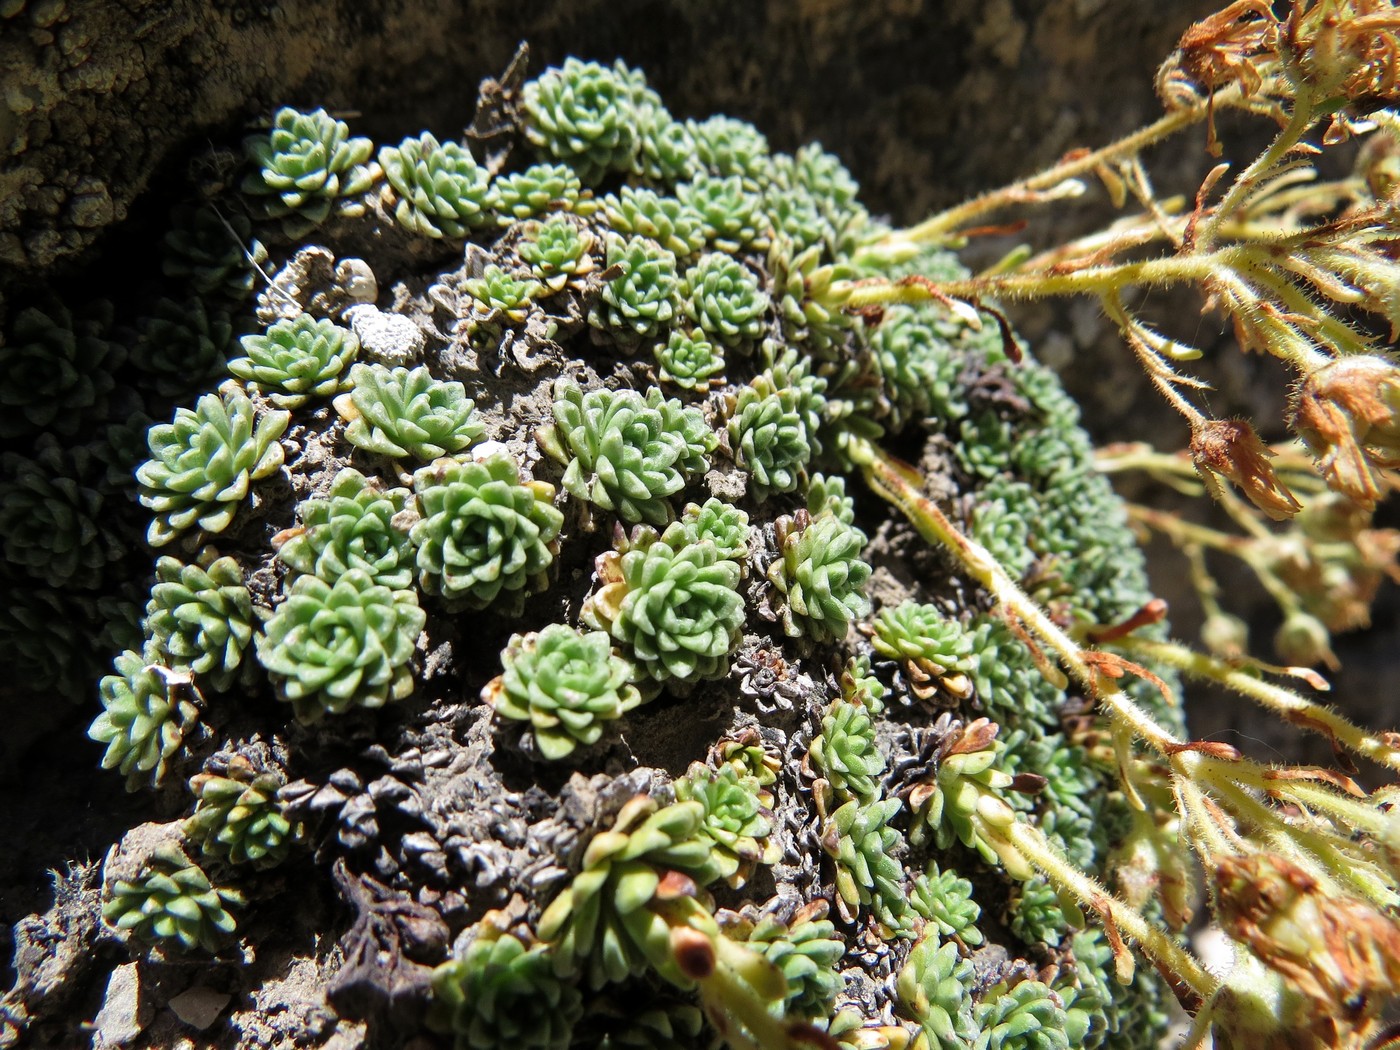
(441, 190)
(675, 608)
(918, 369)
(943, 899)
(399, 413)
(665, 153)
(738, 821)
(482, 531)
(643, 212)
(172, 904)
(201, 618)
(724, 299)
(810, 312)
(1036, 915)
(822, 578)
(1026, 1017)
(538, 189)
(769, 440)
(807, 950)
(644, 297)
(566, 683)
(827, 494)
(600, 926)
(723, 524)
(501, 993)
(558, 252)
(947, 805)
(860, 840)
(146, 716)
(625, 452)
(54, 520)
(582, 114)
(204, 462)
(845, 752)
(353, 528)
(933, 990)
(690, 361)
(725, 146)
(306, 163)
(796, 215)
(55, 372)
(215, 254)
(332, 647)
(499, 297)
(297, 360)
(182, 346)
(935, 650)
(239, 817)
(46, 641)
(731, 215)
(669, 1026)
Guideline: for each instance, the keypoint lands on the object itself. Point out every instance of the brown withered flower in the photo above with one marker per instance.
(1348, 414)
(1347, 48)
(1340, 953)
(1232, 450)
(1225, 48)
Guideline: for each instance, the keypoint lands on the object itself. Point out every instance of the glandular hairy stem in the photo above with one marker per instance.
(1380, 747)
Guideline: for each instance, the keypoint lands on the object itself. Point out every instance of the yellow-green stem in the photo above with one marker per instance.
(1293, 708)
(939, 227)
(1155, 942)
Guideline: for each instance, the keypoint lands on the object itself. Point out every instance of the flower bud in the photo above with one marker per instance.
(1304, 641)
(1225, 635)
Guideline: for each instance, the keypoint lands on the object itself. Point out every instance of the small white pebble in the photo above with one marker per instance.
(486, 449)
(390, 339)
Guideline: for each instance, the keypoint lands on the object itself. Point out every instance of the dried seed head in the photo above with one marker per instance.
(1231, 449)
(1348, 414)
(1342, 954)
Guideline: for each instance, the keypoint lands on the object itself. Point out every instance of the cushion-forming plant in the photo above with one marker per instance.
(567, 684)
(334, 647)
(482, 531)
(296, 360)
(204, 462)
(626, 453)
(354, 527)
(402, 413)
(306, 163)
(440, 189)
